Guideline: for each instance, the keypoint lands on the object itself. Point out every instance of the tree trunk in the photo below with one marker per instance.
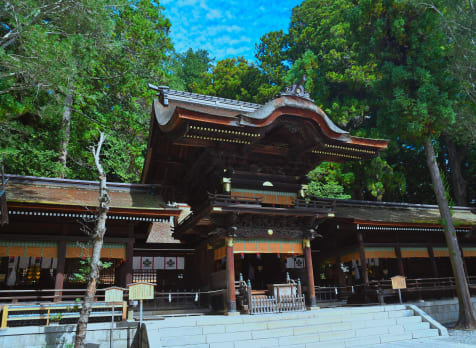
(98, 239)
(65, 132)
(466, 319)
(457, 179)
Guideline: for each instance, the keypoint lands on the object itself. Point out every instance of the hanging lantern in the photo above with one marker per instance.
(226, 184)
(242, 255)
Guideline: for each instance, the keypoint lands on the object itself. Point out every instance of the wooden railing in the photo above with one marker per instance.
(45, 295)
(322, 205)
(380, 289)
(59, 311)
(260, 301)
(228, 199)
(420, 286)
(315, 204)
(326, 294)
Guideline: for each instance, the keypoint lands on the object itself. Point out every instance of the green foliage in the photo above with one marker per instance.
(269, 53)
(321, 42)
(383, 67)
(328, 181)
(103, 53)
(84, 272)
(235, 78)
(188, 68)
(415, 94)
(56, 317)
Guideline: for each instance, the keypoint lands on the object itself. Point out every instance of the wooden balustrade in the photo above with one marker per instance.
(419, 287)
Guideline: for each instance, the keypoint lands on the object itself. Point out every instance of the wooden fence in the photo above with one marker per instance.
(263, 304)
(379, 289)
(59, 311)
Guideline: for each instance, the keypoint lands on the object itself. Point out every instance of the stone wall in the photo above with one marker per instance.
(444, 311)
(98, 336)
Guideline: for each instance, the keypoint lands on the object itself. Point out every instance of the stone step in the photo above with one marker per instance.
(308, 325)
(424, 333)
(299, 336)
(416, 326)
(344, 312)
(343, 327)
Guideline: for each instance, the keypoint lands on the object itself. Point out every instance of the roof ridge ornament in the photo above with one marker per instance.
(163, 93)
(297, 90)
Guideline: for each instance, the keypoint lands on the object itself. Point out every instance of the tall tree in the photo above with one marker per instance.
(188, 68)
(235, 78)
(387, 62)
(457, 20)
(69, 34)
(98, 240)
(270, 54)
(320, 44)
(415, 96)
(93, 68)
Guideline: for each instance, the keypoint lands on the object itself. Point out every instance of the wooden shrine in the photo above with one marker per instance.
(242, 169)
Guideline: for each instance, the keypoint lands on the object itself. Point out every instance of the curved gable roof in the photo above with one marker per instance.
(211, 110)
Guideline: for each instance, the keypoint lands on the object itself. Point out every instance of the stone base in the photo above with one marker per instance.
(313, 308)
(232, 313)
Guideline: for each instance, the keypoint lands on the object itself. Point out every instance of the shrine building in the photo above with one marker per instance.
(244, 235)
(242, 169)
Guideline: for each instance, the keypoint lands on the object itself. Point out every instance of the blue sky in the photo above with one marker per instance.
(226, 28)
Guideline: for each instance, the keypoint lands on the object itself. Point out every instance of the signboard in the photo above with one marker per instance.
(399, 282)
(141, 291)
(114, 294)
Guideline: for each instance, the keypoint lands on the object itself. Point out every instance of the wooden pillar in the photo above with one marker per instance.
(433, 262)
(128, 264)
(60, 270)
(363, 260)
(401, 269)
(310, 273)
(230, 271)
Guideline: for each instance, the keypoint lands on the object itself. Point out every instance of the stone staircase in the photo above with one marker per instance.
(331, 327)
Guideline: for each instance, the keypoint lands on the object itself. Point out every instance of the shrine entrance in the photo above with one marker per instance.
(264, 269)
(261, 269)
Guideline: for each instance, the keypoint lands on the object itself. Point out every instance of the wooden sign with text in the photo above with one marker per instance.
(141, 291)
(114, 294)
(399, 282)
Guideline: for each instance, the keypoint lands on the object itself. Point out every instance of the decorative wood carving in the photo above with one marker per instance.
(257, 226)
(298, 90)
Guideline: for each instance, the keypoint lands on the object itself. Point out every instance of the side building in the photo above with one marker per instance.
(48, 232)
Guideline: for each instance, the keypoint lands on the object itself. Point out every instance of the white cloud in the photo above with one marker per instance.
(214, 14)
(225, 28)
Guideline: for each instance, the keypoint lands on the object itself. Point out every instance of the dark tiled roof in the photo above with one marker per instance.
(208, 100)
(37, 190)
(400, 212)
